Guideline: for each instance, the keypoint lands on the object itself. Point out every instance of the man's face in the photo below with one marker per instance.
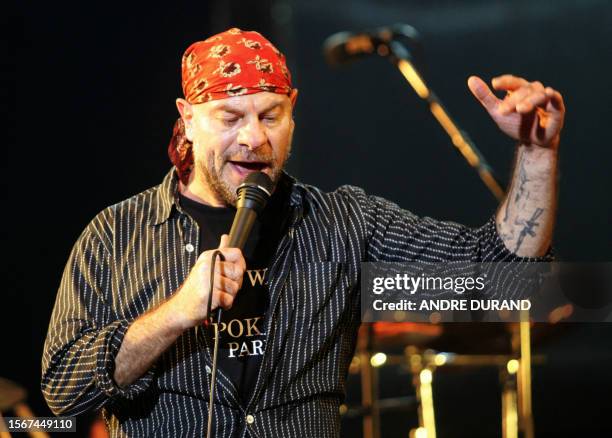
(236, 136)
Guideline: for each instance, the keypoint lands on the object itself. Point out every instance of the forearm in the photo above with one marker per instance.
(526, 217)
(151, 334)
(146, 339)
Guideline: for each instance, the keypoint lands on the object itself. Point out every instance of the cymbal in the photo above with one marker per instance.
(10, 394)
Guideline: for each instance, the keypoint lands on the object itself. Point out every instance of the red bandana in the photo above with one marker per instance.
(231, 63)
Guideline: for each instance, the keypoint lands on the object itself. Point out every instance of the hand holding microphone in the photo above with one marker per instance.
(192, 298)
(152, 333)
(194, 295)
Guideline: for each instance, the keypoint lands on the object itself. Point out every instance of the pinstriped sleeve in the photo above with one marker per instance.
(395, 234)
(85, 334)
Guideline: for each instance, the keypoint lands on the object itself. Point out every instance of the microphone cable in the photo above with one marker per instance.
(213, 373)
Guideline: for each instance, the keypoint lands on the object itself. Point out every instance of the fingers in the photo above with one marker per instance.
(230, 270)
(482, 92)
(510, 102)
(524, 100)
(536, 99)
(233, 255)
(555, 110)
(224, 241)
(228, 276)
(508, 82)
(222, 299)
(556, 99)
(229, 273)
(227, 284)
(525, 97)
(529, 111)
(225, 291)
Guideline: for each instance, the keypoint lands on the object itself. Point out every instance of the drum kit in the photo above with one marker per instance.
(424, 349)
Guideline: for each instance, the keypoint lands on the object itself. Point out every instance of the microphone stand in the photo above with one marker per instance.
(521, 344)
(385, 45)
(400, 57)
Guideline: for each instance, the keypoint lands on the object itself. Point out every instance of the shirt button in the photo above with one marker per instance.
(207, 368)
(189, 247)
(250, 419)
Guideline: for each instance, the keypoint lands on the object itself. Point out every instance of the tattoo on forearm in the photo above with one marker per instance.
(522, 181)
(529, 226)
(522, 178)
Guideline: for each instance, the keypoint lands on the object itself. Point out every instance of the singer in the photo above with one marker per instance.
(127, 333)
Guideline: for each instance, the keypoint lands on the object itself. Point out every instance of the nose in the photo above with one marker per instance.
(252, 135)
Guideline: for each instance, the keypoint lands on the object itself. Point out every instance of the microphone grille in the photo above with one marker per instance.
(260, 180)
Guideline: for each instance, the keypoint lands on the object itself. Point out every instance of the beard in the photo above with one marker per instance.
(211, 170)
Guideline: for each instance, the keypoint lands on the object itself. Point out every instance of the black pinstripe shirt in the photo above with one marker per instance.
(135, 254)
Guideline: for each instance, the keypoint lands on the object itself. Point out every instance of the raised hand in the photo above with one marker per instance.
(529, 113)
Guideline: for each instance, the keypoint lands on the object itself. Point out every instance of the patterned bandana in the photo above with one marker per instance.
(231, 63)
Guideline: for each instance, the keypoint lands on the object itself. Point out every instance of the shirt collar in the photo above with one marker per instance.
(166, 195)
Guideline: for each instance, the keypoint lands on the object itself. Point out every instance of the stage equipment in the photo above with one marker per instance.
(423, 349)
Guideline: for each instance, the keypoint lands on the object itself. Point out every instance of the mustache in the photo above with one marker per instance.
(262, 158)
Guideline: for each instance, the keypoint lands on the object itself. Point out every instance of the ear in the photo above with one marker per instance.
(293, 97)
(186, 112)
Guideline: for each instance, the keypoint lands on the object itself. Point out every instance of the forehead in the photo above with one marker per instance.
(249, 102)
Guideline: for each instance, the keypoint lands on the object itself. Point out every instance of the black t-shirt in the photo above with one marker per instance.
(242, 338)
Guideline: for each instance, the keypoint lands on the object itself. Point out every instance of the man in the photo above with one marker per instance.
(126, 333)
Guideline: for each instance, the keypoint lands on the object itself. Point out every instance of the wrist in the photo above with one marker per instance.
(551, 146)
(537, 158)
(176, 314)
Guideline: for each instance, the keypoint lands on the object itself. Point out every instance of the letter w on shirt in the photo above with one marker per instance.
(256, 276)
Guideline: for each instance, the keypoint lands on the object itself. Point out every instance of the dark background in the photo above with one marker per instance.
(94, 89)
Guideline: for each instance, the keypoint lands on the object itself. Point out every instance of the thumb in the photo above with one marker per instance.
(224, 241)
(482, 92)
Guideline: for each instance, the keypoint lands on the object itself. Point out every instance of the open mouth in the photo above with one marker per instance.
(245, 167)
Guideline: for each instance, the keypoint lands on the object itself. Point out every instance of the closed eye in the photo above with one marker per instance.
(270, 117)
(230, 121)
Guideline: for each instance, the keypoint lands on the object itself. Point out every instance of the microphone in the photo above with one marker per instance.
(343, 47)
(253, 195)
